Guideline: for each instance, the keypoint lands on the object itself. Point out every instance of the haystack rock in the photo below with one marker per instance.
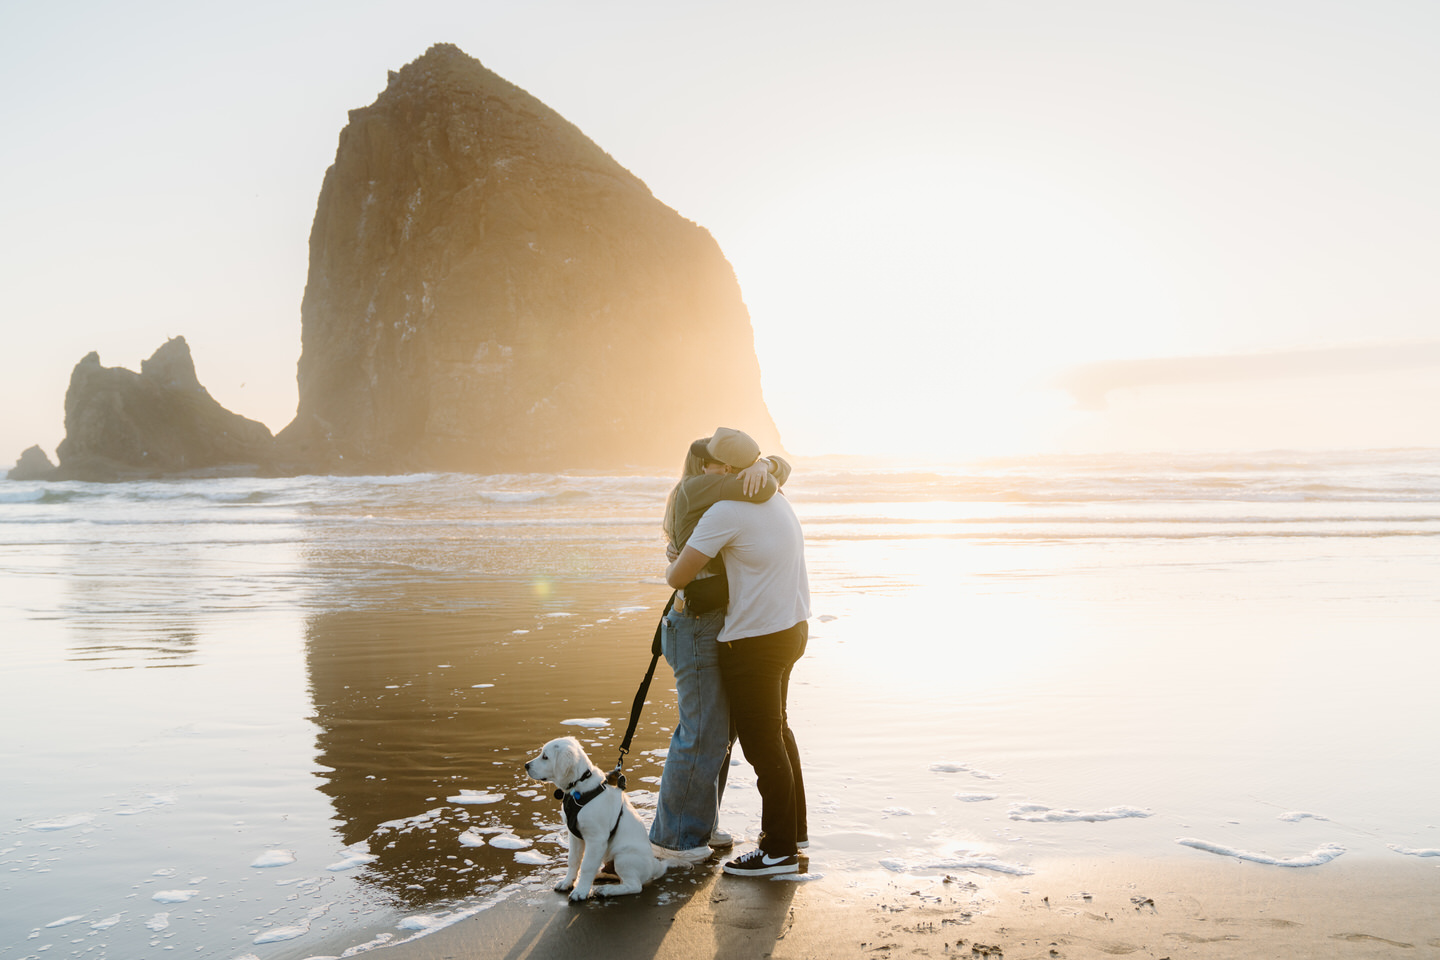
(490, 291)
(159, 422)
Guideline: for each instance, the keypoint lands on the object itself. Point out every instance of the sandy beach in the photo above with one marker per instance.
(1091, 910)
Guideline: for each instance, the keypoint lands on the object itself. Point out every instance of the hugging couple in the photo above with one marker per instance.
(735, 629)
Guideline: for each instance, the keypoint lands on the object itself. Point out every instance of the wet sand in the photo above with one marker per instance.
(1078, 910)
(1039, 699)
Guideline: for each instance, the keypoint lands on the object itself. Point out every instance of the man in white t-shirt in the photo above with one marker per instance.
(764, 635)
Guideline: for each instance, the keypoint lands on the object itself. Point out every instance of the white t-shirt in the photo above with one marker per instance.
(765, 560)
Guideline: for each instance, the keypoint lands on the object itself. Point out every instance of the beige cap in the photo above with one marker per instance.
(729, 446)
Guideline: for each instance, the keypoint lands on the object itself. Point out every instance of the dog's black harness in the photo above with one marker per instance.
(574, 799)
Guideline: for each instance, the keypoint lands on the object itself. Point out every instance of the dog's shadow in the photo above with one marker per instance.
(687, 913)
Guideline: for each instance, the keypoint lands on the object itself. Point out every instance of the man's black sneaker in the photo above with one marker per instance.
(801, 841)
(757, 864)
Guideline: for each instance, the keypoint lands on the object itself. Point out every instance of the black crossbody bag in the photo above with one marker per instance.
(705, 595)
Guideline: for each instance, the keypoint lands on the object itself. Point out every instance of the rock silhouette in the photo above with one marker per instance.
(33, 465)
(491, 291)
(159, 422)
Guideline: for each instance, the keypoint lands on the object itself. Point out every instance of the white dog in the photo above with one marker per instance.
(603, 825)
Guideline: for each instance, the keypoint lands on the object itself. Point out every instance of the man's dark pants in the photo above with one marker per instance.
(756, 671)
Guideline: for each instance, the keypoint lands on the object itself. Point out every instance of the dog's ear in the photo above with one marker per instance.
(570, 760)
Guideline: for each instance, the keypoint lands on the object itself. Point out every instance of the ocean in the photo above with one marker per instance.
(286, 718)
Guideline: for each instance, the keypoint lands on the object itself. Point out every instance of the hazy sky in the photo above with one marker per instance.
(936, 210)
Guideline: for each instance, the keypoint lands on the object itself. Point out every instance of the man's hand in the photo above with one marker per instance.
(684, 567)
(753, 477)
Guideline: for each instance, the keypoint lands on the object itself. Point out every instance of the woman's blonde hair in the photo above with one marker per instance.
(675, 505)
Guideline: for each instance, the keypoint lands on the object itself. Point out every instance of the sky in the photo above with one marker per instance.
(962, 228)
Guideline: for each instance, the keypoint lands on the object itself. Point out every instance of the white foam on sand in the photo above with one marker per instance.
(174, 896)
(1320, 855)
(976, 797)
(978, 862)
(532, 857)
(898, 812)
(1295, 816)
(481, 686)
(61, 823)
(107, 923)
(1414, 852)
(946, 766)
(1037, 813)
(64, 921)
(471, 839)
(356, 859)
(643, 798)
(406, 824)
(158, 922)
(508, 841)
(476, 796)
(587, 722)
(428, 924)
(274, 858)
(297, 929)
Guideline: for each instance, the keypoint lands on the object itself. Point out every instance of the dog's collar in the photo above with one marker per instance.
(579, 796)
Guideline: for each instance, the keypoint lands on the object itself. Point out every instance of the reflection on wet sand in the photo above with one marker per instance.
(431, 695)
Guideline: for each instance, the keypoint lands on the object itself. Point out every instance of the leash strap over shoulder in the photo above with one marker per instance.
(615, 776)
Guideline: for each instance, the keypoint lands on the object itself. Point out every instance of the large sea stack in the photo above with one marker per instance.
(490, 291)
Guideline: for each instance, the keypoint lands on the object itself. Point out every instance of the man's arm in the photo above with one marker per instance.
(684, 568)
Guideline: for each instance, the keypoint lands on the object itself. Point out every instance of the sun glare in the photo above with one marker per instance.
(937, 303)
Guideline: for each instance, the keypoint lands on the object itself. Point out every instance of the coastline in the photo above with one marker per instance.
(1076, 909)
(260, 697)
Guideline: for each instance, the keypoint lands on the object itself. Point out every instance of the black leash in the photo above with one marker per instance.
(615, 777)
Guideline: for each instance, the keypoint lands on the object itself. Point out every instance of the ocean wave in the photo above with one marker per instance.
(1352, 494)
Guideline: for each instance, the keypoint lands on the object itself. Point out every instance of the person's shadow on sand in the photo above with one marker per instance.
(684, 914)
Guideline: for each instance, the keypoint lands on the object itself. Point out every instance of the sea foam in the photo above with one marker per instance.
(979, 862)
(274, 858)
(1320, 855)
(1036, 813)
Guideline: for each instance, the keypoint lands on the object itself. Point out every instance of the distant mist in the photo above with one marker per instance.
(1090, 385)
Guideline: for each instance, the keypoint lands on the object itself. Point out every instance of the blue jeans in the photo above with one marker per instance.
(699, 757)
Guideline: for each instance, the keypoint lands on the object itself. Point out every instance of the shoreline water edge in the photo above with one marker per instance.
(1067, 707)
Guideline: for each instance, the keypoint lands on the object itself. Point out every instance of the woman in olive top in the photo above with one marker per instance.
(687, 811)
